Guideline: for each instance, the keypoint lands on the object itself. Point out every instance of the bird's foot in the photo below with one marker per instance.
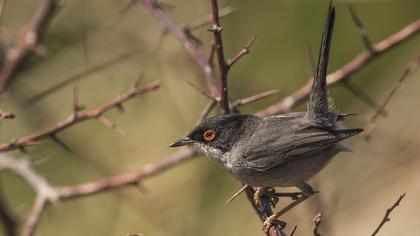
(257, 195)
(271, 221)
(265, 191)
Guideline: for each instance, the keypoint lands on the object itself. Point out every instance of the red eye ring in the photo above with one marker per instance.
(209, 134)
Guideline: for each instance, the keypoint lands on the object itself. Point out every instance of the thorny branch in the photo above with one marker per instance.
(48, 194)
(359, 62)
(387, 213)
(131, 179)
(77, 117)
(187, 42)
(28, 41)
(411, 67)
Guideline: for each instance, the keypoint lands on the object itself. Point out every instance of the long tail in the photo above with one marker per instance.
(318, 98)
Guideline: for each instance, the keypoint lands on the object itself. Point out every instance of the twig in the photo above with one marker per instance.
(127, 179)
(76, 118)
(242, 52)
(202, 91)
(361, 30)
(202, 21)
(411, 67)
(293, 230)
(34, 216)
(387, 213)
(359, 62)
(317, 222)
(187, 42)
(359, 93)
(277, 215)
(254, 98)
(28, 41)
(222, 65)
(206, 111)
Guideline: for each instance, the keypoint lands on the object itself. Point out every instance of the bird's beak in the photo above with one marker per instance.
(181, 142)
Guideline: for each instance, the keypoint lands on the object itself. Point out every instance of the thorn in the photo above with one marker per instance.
(139, 79)
(108, 123)
(202, 91)
(236, 194)
(215, 29)
(60, 142)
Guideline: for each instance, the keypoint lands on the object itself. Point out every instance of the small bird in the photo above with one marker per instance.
(282, 150)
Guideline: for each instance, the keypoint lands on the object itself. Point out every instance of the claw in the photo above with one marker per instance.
(271, 221)
(257, 195)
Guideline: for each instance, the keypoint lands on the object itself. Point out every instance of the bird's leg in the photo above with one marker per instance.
(307, 191)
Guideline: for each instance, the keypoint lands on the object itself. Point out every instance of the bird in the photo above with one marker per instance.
(284, 150)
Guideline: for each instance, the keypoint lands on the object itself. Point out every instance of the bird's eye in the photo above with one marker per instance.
(209, 134)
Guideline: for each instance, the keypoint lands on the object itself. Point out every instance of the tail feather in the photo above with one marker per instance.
(318, 98)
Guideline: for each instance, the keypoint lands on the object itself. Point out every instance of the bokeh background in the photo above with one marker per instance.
(356, 188)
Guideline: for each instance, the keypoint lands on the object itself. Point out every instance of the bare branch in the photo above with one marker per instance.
(360, 94)
(35, 215)
(189, 44)
(206, 111)
(242, 52)
(202, 91)
(359, 62)
(74, 119)
(127, 179)
(223, 66)
(255, 98)
(293, 230)
(28, 41)
(387, 213)
(22, 167)
(361, 30)
(411, 67)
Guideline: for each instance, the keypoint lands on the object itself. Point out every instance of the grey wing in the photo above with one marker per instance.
(276, 143)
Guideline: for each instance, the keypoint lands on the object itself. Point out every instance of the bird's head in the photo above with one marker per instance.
(217, 135)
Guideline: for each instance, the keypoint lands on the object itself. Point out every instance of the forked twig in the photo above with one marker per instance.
(387, 213)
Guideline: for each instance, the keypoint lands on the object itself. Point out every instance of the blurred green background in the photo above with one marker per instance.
(355, 189)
